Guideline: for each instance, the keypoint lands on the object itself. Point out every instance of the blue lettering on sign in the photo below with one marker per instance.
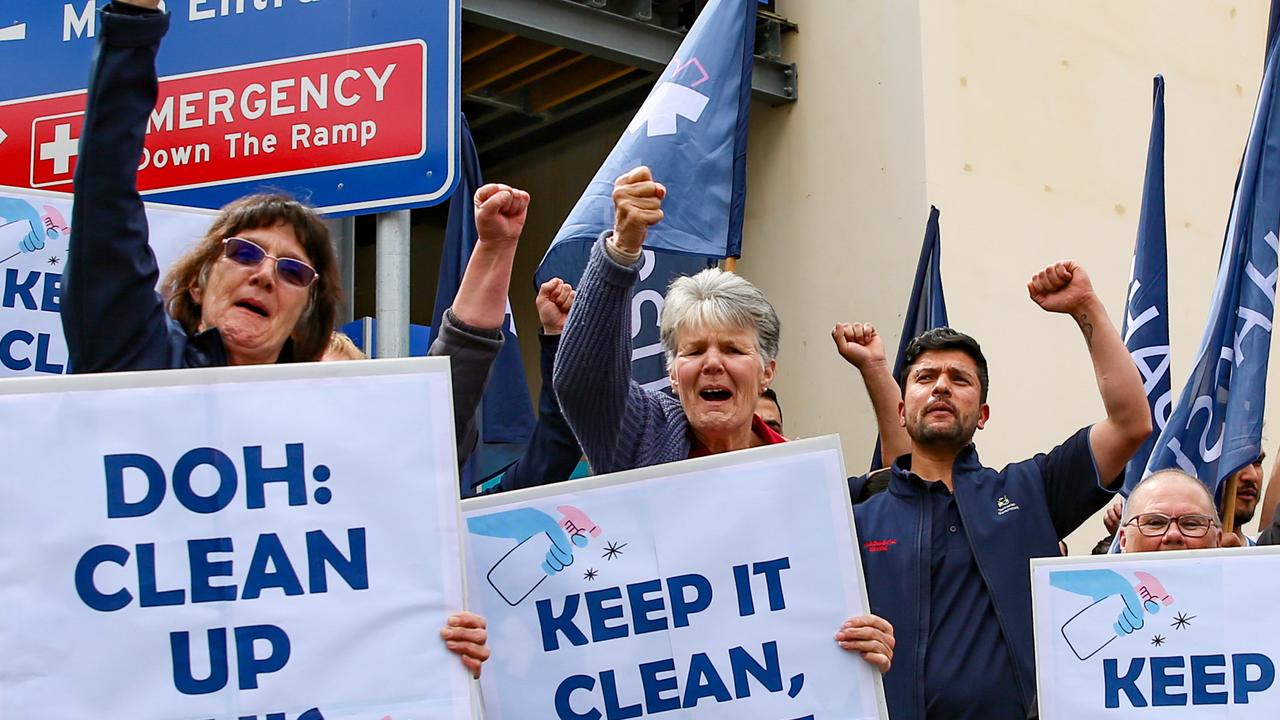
(689, 594)
(292, 474)
(270, 569)
(1251, 673)
(312, 714)
(22, 290)
(662, 690)
(249, 665)
(16, 354)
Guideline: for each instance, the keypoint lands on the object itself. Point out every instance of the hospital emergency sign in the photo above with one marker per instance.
(348, 104)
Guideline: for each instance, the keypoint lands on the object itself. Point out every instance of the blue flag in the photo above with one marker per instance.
(1216, 426)
(692, 133)
(506, 412)
(657, 270)
(927, 308)
(1146, 314)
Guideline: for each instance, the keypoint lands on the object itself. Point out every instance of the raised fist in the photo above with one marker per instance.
(637, 203)
(500, 213)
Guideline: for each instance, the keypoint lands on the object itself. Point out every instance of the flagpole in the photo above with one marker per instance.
(1229, 505)
(731, 264)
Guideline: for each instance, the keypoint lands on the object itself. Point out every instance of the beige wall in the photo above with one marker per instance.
(1026, 123)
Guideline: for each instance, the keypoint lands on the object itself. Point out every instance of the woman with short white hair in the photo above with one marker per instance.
(720, 335)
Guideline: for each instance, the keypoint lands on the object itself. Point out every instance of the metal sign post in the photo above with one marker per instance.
(393, 284)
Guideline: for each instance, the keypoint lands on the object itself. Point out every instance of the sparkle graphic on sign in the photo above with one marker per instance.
(1182, 621)
(591, 574)
(1157, 640)
(612, 550)
(54, 260)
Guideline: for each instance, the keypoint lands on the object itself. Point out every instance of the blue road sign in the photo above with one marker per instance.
(349, 104)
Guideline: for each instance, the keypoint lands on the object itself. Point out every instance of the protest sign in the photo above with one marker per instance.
(709, 588)
(1166, 635)
(34, 230)
(264, 543)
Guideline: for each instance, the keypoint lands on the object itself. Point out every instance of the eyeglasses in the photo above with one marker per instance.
(1157, 524)
(250, 254)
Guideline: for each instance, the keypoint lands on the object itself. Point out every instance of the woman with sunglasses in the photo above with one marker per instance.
(262, 285)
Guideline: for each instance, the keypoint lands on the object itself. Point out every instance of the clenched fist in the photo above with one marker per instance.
(1063, 287)
(859, 343)
(554, 300)
(500, 213)
(637, 203)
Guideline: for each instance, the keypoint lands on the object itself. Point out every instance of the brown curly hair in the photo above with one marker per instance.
(264, 210)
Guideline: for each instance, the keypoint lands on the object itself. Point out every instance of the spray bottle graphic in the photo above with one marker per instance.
(545, 547)
(1094, 627)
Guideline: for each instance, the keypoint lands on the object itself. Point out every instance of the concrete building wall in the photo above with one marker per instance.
(1026, 123)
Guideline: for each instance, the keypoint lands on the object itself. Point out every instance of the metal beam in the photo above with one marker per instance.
(603, 34)
(579, 109)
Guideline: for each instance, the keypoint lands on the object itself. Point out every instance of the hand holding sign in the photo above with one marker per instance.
(465, 636)
(870, 635)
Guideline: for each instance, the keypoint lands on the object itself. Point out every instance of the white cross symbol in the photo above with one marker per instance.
(60, 149)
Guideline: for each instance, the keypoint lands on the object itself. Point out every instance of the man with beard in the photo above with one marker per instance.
(1248, 492)
(946, 548)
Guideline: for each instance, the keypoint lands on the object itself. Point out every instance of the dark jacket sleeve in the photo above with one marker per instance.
(112, 316)
(553, 451)
(471, 353)
(616, 421)
(1073, 490)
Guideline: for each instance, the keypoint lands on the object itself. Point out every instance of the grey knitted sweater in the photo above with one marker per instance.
(619, 424)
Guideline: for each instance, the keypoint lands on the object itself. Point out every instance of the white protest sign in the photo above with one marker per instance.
(31, 341)
(1207, 645)
(271, 543)
(709, 588)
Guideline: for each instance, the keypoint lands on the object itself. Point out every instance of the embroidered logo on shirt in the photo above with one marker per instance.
(1005, 505)
(879, 545)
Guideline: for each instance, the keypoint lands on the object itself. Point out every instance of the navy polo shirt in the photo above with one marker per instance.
(980, 686)
(960, 602)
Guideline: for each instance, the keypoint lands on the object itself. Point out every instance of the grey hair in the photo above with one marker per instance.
(715, 298)
(1171, 473)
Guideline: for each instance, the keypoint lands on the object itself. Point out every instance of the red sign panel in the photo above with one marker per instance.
(297, 115)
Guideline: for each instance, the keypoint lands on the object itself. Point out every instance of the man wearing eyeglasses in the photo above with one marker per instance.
(1170, 510)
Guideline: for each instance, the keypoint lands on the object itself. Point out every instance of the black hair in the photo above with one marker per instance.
(944, 338)
(769, 393)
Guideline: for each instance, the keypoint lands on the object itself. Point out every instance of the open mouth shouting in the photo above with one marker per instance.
(715, 393)
(254, 307)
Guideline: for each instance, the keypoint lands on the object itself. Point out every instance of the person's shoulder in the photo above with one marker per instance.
(877, 505)
(863, 487)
